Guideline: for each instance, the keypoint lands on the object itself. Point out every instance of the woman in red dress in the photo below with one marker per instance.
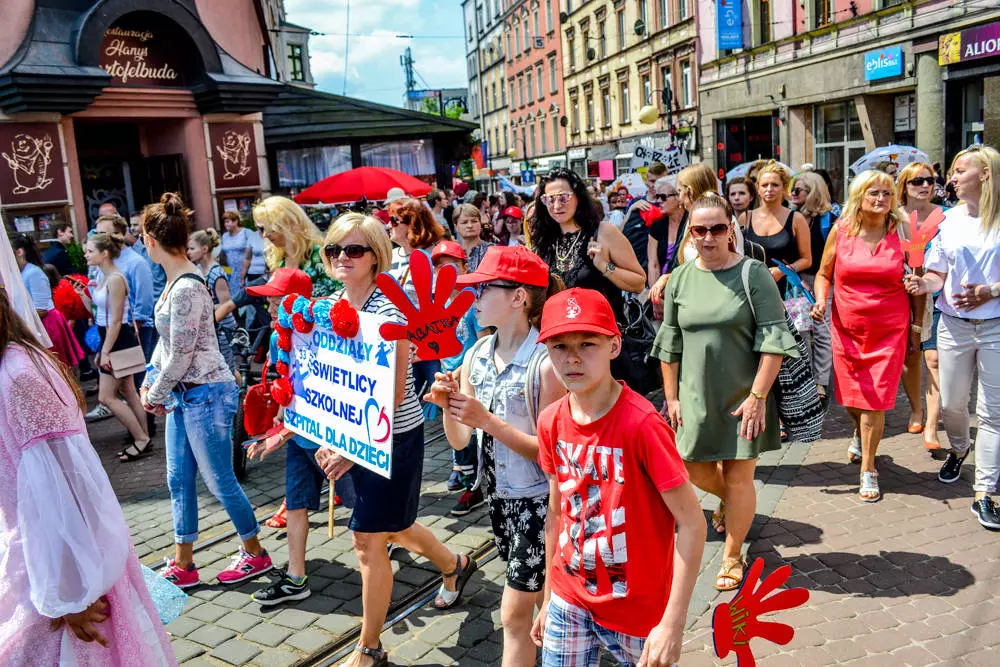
(872, 313)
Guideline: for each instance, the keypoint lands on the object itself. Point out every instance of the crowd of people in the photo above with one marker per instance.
(574, 466)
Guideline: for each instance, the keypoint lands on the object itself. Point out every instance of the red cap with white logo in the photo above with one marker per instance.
(514, 264)
(577, 310)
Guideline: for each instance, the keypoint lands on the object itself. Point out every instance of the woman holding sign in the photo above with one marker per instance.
(385, 510)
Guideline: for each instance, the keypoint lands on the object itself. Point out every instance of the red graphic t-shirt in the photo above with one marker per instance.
(615, 549)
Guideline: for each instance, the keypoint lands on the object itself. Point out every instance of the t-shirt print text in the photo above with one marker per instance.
(591, 482)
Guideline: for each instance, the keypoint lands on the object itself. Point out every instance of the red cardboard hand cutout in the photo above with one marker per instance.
(920, 237)
(735, 623)
(431, 325)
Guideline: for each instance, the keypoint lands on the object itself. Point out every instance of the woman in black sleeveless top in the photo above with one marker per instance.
(569, 236)
(783, 234)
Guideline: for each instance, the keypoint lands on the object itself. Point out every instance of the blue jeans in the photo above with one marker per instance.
(199, 439)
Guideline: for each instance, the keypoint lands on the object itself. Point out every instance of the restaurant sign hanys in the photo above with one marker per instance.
(972, 44)
(138, 50)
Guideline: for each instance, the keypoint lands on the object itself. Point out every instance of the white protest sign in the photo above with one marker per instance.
(674, 158)
(344, 392)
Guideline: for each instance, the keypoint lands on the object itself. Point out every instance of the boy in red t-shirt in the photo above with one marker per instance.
(617, 576)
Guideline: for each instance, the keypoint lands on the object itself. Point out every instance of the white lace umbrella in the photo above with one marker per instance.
(740, 170)
(901, 155)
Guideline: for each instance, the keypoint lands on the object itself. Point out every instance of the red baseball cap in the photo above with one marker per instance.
(448, 249)
(283, 282)
(513, 212)
(577, 310)
(516, 264)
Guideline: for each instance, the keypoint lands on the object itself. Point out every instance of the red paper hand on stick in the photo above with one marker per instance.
(921, 236)
(735, 623)
(431, 324)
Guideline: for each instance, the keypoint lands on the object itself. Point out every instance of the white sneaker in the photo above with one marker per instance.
(98, 413)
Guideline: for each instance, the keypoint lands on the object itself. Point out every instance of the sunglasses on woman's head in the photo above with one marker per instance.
(921, 180)
(395, 221)
(562, 198)
(353, 251)
(700, 232)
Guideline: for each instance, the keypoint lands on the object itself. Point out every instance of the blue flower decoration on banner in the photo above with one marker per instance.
(283, 356)
(321, 313)
(284, 319)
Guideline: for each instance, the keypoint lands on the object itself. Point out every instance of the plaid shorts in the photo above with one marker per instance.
(573, 639)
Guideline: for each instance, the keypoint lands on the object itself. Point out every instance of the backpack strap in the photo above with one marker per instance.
(533, 384)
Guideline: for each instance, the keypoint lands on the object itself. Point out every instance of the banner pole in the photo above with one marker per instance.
(330, 508)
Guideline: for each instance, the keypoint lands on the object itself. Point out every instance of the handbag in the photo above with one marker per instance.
(131, 360)
(259, 408)
(638, 367)
(795, 393)
(798, 306)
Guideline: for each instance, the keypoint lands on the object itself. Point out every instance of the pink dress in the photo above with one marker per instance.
(871, 317)
(64, 542)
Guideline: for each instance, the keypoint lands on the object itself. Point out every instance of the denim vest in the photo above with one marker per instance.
(503, 394)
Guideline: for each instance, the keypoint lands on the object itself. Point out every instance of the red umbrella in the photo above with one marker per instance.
(369, 182)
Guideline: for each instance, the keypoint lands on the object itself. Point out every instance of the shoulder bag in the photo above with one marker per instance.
(795, 392)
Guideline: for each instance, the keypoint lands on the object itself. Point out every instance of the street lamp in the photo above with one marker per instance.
(649, 113)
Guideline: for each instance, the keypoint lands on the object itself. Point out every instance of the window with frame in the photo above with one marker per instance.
(647, 90)
(686, 84)
(535, 21)
(569, 6)
(296, 70)
(664, 17)
(623, 102)
(585, 34)
(763, 21)
(682, 10)
(666, 80)
(839, 142)
(822, 12)
(494, 86)
(503, 94)
(553, 79)
(571, 47)
(520, 92)
(517, 36)
(527, 32)
(621, 30)
(602, 39)
(530, 97)
(606, 104)
(590, 112)
(531, 136)
(643, 16)
(555, 133)
(543, 140)
(575, 115)
(549, 25)
(513, 94)
(540, 77)
(510, 51)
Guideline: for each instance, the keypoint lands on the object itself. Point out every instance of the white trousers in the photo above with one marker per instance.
(965, 347)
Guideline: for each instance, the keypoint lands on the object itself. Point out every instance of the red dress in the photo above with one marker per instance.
(871, 316)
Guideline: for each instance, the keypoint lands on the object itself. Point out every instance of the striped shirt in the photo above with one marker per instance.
(409, 414)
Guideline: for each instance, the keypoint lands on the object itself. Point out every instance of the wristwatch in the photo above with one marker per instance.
(759, 396)
(995, 290)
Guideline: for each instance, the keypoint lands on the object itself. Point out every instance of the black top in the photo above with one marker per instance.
(777, 246)
(57, 256)
(817, 242)
(637, 233)
(660, 230)
(568, 259)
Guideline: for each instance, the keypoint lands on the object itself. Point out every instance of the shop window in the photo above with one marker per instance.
(621, 30)
(296, 71)
(839, 142)
(623, 102)
(972, 112)
(301, 167)
(415, 157)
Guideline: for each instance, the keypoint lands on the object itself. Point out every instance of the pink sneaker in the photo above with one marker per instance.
(245, 566)
(179, 577)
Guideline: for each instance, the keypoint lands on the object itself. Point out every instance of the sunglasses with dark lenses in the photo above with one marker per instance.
(395, 221)
(663, 197)
(921, 180)
(481, 287)
(260, 230)
(700, 232)
(353, 251)
(799, 191)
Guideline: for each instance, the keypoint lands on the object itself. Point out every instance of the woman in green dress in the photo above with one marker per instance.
(719, 362)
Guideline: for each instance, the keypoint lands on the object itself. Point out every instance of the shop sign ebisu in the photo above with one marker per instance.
(884, 63)
(139, 57)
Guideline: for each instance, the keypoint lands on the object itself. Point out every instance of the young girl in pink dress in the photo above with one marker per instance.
(71, 588)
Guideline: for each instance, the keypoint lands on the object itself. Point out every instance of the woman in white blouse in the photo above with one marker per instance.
(964, 261)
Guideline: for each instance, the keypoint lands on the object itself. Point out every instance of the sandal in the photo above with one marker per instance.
(719, 519)
(869, 485)
(728, 565)
(278, 519)
(134, 452)
(932, 445)
(379, 655)
(451, 598)
(854, 450)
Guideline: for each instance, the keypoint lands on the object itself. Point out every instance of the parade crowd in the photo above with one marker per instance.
(587, 300)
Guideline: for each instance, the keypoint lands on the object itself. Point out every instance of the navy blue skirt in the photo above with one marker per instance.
(390, 505)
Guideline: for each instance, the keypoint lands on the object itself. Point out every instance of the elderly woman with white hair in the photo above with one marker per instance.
(666, 231)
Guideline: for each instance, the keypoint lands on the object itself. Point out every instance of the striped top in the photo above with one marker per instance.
(409, 414)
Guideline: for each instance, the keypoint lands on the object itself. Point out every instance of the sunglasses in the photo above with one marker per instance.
(921, 180)
(662, 197)
(353, 251)
(799, 191)
(562, 199)
(481, 287)
(260, 229)
(700, 232)
(395, 221)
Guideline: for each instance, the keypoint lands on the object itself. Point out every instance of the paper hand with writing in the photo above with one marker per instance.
(431, 324)
(920, 236)
(735, 623)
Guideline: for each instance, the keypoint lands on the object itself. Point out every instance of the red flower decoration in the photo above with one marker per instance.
(281, 391)
(284, 339)
(282, 368)
(300, 324)
(288, 302)
(344, 319)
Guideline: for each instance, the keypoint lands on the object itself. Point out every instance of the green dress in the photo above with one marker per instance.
(709, 328)
(323, 285)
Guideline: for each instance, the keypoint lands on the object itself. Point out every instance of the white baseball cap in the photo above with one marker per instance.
(393, 194)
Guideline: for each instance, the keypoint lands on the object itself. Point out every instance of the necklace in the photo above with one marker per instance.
(565, 252)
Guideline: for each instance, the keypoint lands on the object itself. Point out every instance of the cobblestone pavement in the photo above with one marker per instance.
(912, 579)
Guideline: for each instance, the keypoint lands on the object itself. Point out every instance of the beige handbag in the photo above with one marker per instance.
(131, 360)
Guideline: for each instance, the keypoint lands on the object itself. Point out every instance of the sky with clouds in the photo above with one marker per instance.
(373, 69)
